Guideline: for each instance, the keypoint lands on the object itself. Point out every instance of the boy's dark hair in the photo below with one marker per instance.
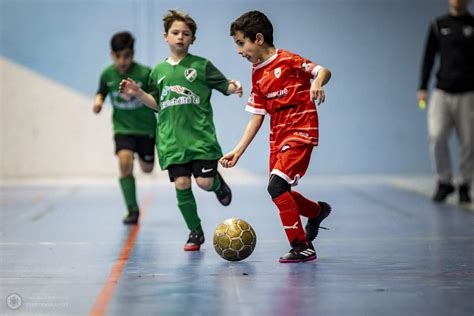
(121, 41)
(251, 23)
(174, 15)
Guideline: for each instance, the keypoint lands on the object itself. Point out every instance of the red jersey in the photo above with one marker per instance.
(280, 88)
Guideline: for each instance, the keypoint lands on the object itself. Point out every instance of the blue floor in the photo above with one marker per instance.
(389, 251)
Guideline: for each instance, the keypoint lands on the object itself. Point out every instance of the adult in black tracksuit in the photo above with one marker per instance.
(451, 104)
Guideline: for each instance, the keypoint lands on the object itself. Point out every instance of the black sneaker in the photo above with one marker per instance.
(195, 240)
(131, 218)
(299, 253)
(223, 194)
(464, 193)
(442, 192)
(312, 226)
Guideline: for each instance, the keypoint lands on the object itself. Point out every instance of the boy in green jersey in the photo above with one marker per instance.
(134, 124)
(186, 139)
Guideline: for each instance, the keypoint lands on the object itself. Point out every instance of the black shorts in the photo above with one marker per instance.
(198, 168)
(143, 145)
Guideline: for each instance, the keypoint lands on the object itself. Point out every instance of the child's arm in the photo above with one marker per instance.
(234, 87)
(230, 159)
(316, 91)
(98, 102)
(131, 88)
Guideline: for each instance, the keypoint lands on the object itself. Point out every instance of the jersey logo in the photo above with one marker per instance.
(467, 30)
(185, 96)
(204, 170)
(190, 74)
(277, 72)
(110, 83)
(277, 94)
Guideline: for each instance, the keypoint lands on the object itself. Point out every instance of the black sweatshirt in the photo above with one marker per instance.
(453, 38)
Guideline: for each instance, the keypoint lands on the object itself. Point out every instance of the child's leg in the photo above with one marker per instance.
(147, 167)
(145, 148)
(127, 180)
(207, 178)
(306, 207)
(187, 203)
(181, 176)
(280, 192)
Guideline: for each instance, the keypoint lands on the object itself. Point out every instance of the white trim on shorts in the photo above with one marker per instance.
(292, 182)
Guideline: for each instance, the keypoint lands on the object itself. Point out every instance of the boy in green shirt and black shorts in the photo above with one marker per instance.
(181, 88)
(134, 124)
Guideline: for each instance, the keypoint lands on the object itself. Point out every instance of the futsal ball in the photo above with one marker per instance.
(234, 239)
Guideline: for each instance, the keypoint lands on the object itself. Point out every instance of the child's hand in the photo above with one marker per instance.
(237, 87)
(129, 87)
(229, 160)
(316, 92)
(97, 108)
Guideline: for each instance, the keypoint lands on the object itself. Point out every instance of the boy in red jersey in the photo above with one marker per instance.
(282, 88)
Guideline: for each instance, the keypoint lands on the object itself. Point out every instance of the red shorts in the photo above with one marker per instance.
(291, 161)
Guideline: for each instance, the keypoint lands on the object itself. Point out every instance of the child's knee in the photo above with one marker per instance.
(126, 167)
(277, 186)
(147, 167)
(182, 183)
(205, 183)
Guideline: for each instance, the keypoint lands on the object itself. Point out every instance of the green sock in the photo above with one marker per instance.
(187, 206)
(215, 185)
(129, 193)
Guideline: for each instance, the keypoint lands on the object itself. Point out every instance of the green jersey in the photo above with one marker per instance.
(183, 91)
(130, 116)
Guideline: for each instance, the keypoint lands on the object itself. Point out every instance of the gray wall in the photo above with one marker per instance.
(370, 122)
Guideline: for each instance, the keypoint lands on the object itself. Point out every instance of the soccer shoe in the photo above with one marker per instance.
(312, 226)
(299, 253)
(223, 194)
(442, 192)
(464, 194)
(195, 240)
(131, 218)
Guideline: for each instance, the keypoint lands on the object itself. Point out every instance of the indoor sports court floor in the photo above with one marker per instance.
(389, 251)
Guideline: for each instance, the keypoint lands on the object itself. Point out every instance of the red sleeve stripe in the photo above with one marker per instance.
(303, 91)
(308, 140)
(297, 128)
(307, 128)
(295, 85)
(302, 112)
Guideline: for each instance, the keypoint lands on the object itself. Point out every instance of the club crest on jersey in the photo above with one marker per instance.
(277, 72)
(190, 74)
